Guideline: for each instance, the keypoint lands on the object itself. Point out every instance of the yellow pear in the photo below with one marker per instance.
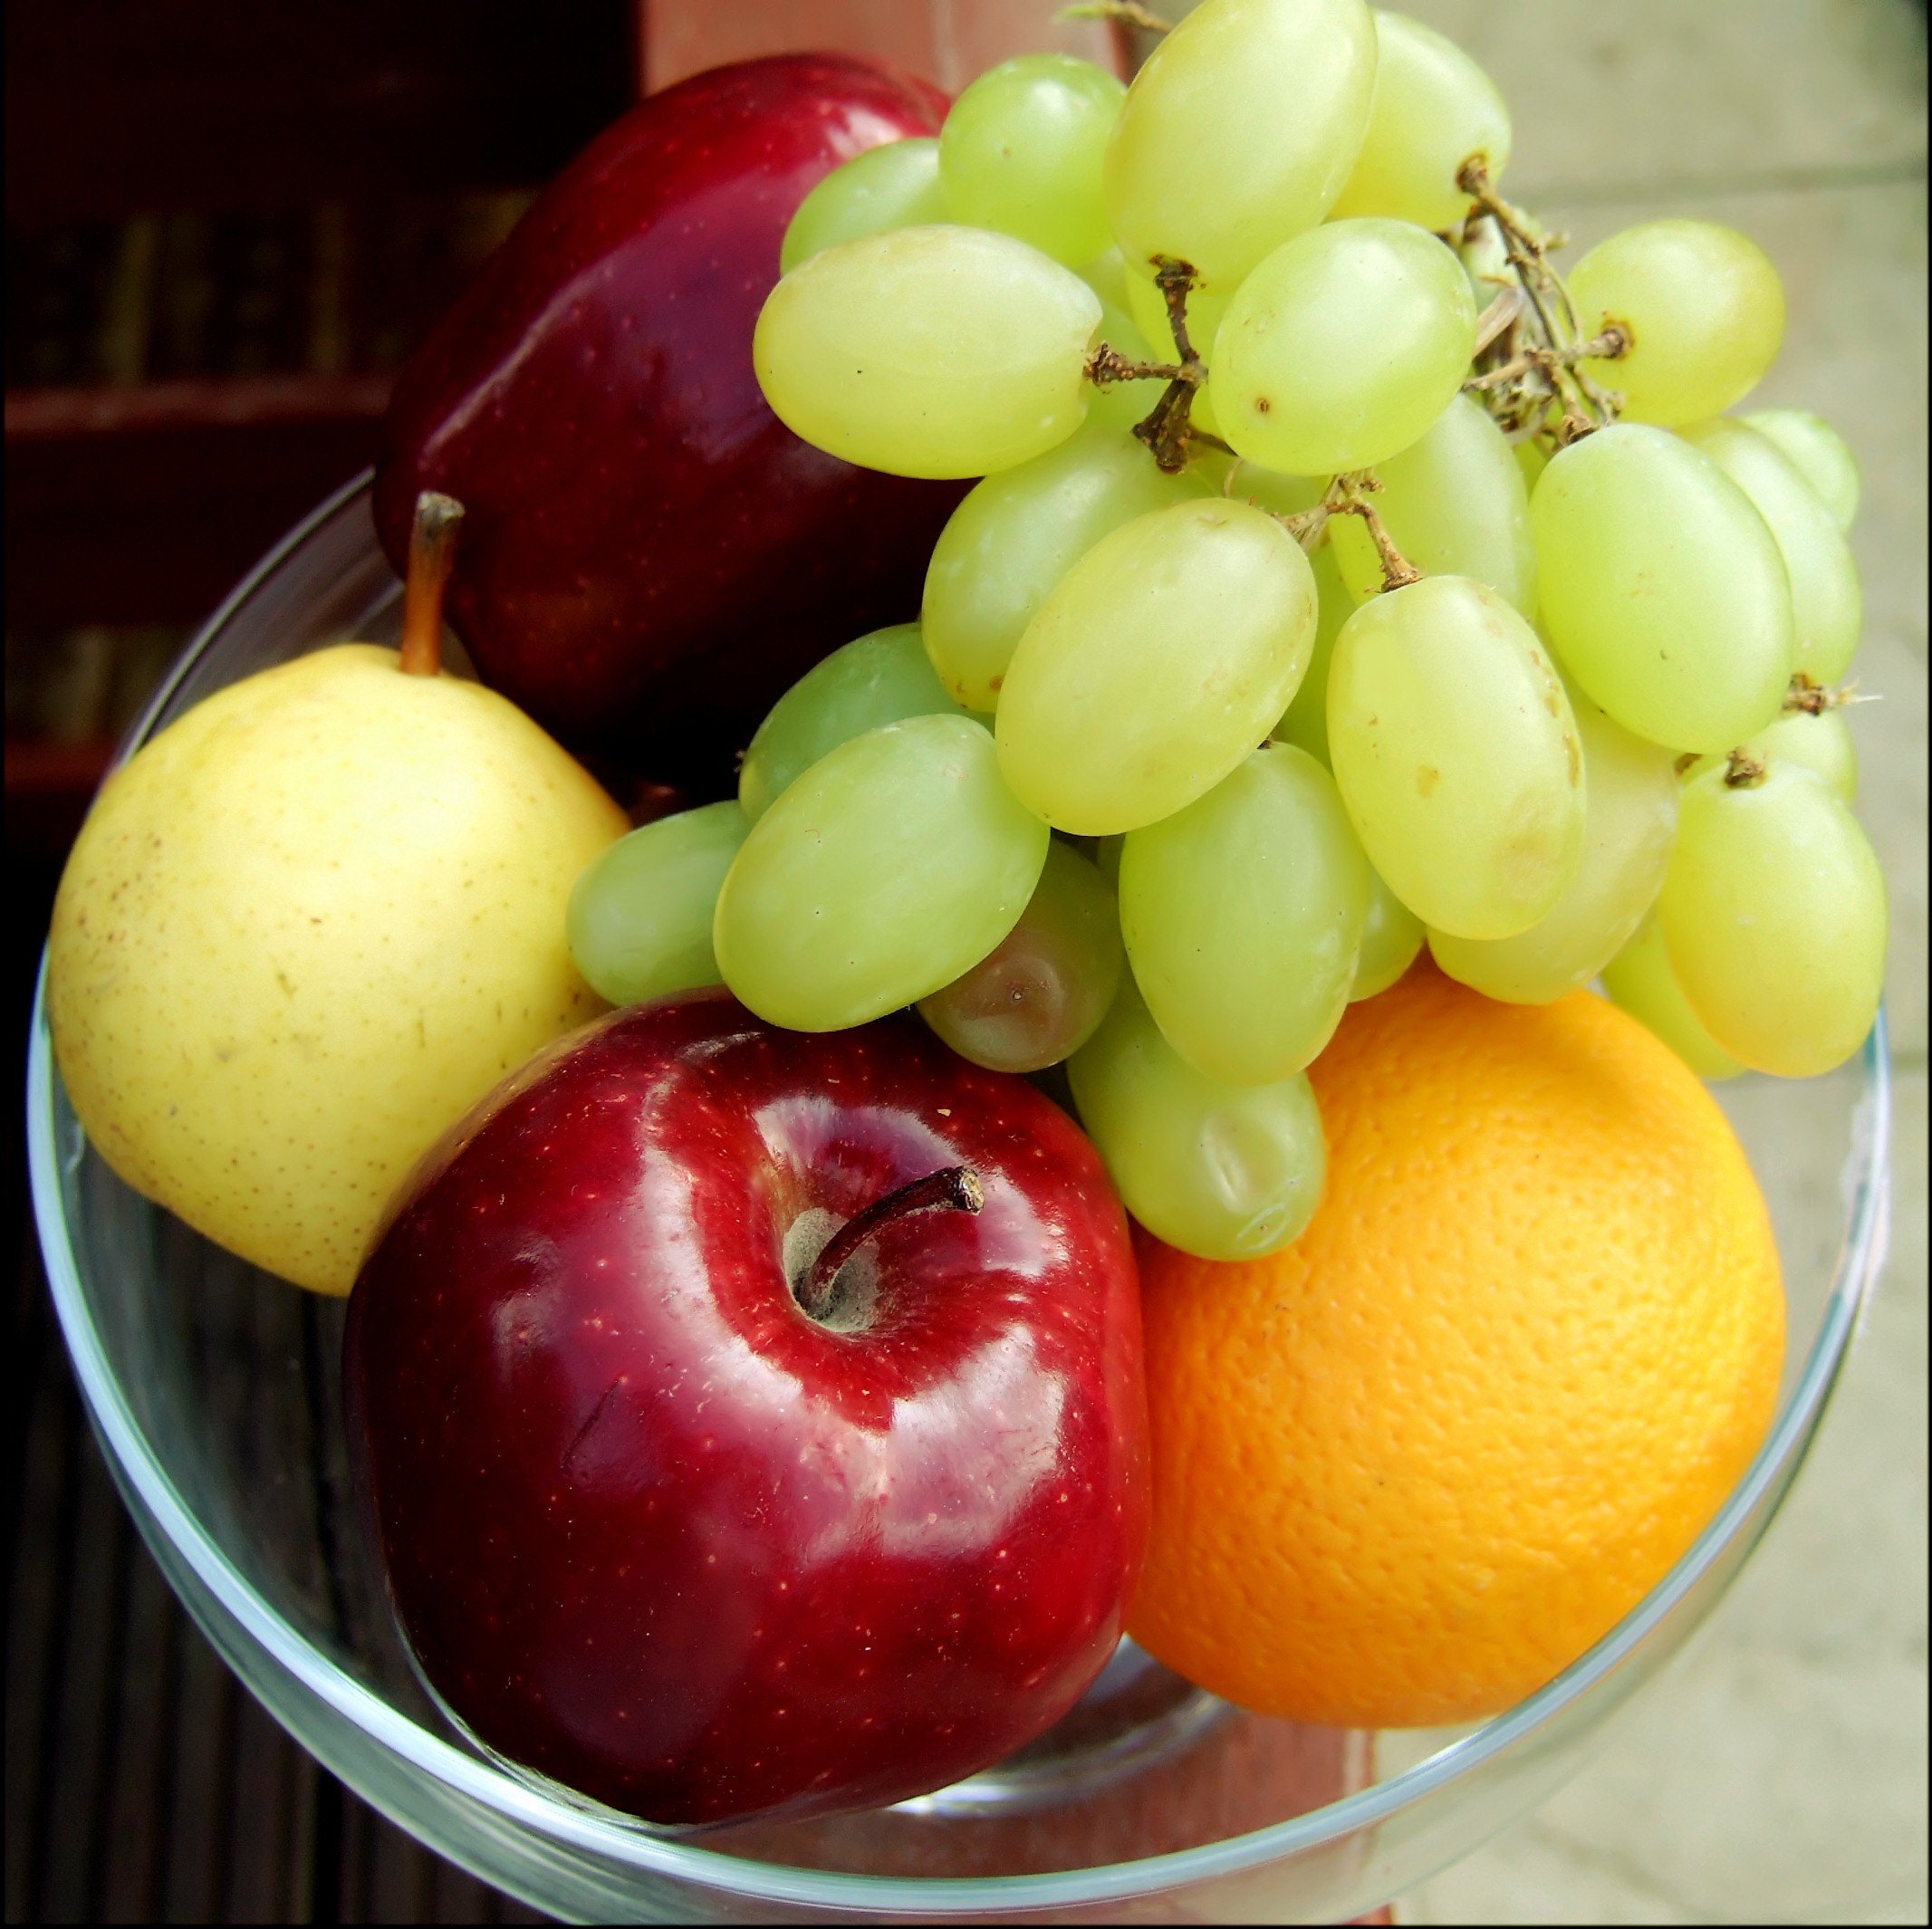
(307, 925)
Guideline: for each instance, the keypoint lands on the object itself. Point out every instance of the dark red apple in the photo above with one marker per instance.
(658, 1531)
(651, 558)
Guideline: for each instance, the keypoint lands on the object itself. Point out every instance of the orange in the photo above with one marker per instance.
(1407, 1469)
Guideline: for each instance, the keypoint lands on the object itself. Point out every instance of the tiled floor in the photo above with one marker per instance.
(1779, 1775)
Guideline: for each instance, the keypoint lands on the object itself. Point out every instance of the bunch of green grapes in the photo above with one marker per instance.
(1339, 580)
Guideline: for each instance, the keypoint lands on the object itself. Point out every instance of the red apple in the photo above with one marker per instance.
(658, 1531)
(650, 557)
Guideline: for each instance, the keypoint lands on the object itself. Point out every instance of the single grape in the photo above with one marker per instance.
(1108, 277)
(639, 917)
(1434, 110)
(1818, 742)
(1533, 458)
(1701, 310)
(1456, 755)
(1269, 489)
(1243, 916)
(888, 868)
(1305, 720)
(1827, 606)
(1041, 993)
(876, 679)
(1157, 664)
(1455, 503)
(1773, 918)
(1819, 454)
(1391, 936)
(1221, 1171)
(1107, 857)
(1662, 591)
(1239, 131)
(893, 185)
(1342, 347)
(1021, 151)
(938, 351)
(1639, 981)
(1016, 535)
(1149, 307)
(1630, 817)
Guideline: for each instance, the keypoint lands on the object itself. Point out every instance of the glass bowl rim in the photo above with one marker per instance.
(634, 1847)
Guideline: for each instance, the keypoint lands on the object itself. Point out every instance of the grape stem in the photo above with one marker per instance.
(1531, 375)
(1499, 318)
(1127, 12)
(1741, 771)
(1348, 496)
(432, 552)
(1604, 347)
(1807, 694)
(953, 1188)
(1166, 430)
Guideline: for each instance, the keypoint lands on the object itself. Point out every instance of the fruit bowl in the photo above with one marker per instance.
(216, 1393)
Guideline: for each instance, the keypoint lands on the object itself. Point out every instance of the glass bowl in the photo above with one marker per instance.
(215, 1394)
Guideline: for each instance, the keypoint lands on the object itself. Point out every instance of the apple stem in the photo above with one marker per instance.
(955, 1188)
(432, 550)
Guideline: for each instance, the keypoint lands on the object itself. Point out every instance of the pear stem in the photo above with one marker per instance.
(432, 550)
(953, 1188)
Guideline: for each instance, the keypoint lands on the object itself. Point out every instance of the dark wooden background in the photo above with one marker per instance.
(227, 225)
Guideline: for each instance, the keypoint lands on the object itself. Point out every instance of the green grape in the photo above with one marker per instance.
(1107, 857)
(1221, 1171)
(1239, 131)
(1149, 307)
(1773, 917)
(1434, 110)
(876, 679)
(1819, 454)
(1456, 754)
(893, 185)
(640, 918)
(1391, 936)
(1639, 981)
(1243, 916)
(1817, 741)
(1533, 458)
(938, 351)
(1454, 504)
(1108, 277)
(1279, 494)
(888, 868)
(1041, 993)
(1701, 309)
(1661, 590)
(1157, 664)
(1016, 535)
(1343, 347)
(1305, 720)
(1827, 606)
(1630, 817)
(1021, 151)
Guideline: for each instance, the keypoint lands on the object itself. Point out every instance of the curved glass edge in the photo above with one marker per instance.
(171, 1529)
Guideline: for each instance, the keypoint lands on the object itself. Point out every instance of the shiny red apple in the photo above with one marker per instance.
(706, 1512)
(651, 558)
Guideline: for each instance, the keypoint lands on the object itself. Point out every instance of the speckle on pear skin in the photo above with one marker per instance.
(295, 993)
